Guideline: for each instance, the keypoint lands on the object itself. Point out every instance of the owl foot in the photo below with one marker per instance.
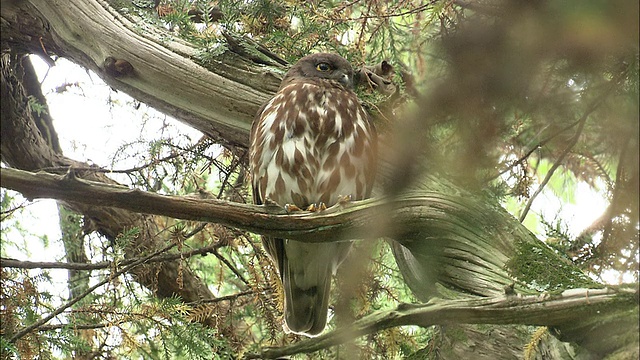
(317, 207)
(344, 199)
(291, 208)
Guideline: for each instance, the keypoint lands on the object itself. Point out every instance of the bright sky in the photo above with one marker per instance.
(93, 122)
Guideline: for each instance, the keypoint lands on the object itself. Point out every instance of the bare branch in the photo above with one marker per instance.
(231, 267)
(533, 149)
(223, 298)
(101, 325)
(77, 326)
(554, 167)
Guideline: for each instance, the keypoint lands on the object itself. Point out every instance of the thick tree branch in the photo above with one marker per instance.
(547, 310)
(349, 220)
(441, 230)
(220, 101)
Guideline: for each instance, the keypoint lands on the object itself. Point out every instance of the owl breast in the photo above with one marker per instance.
(310, 146)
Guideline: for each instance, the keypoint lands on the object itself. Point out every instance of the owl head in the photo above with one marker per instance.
(321, 66)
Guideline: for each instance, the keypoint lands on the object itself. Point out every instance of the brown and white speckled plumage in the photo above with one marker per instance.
(311, 143)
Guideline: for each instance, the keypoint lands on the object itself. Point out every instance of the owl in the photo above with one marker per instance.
(311, 145)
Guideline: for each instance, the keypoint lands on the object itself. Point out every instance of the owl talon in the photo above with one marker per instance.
(317, 207)
(344, 199)
(291, 208)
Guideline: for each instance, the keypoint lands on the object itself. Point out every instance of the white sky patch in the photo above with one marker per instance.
(590, 204)
(41, 220)
(91, 120)
(347, 37)
(296, 23)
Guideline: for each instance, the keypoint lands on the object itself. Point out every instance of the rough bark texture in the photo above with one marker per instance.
(453, 246)
(220, 101)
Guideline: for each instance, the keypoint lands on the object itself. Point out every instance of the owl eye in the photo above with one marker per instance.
(324, 67)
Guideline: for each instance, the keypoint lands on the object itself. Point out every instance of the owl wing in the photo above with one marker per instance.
(273, 246)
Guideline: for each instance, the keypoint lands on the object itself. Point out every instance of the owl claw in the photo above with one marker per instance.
(291, 208)
(317, 207)
(344, 199)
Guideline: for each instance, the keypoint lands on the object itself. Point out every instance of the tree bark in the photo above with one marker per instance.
(566, 307)
(220, 100)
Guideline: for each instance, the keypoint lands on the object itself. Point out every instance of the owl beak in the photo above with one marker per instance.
(346, 81)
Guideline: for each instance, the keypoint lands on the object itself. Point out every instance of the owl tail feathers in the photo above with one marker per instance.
(305, 310)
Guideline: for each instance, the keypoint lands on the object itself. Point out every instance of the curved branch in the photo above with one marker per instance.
(557, 311)
(349, 220)
(469, 244)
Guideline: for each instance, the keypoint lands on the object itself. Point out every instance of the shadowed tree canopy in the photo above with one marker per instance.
(483, 108)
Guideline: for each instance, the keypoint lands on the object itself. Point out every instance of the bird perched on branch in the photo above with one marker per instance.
(312, 144)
